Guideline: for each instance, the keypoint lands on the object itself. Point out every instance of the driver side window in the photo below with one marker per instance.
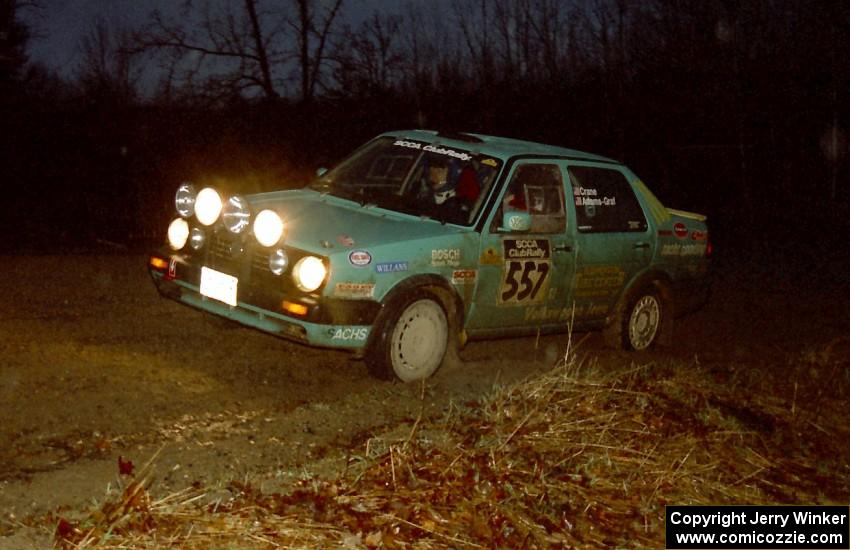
(539, 190)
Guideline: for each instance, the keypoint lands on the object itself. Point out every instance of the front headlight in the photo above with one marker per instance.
(178, 233)
(207, 206)
(184, 200)
(309, 273)
(235, 214)
(268, 228)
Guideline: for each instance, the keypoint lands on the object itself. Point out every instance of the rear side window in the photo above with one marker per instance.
(605, 202)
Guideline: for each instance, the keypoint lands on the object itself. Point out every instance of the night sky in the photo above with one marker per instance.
(61, 24)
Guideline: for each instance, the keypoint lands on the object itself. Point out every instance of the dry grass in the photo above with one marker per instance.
(581, 456)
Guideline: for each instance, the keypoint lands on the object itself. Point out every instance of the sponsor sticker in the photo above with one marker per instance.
(525, 275)
(359, 258)
(598, 281)
(172, 269)
(677, 249)
(699, 235)
(436, 149)
(391, 267)
(490, 256)
(446, 257)
(345, 240)
(680, 230)
(354, 290)
(348, 333)
(464, 276)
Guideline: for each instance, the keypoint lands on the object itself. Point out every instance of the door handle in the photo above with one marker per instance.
(641, 245)
(562, 248)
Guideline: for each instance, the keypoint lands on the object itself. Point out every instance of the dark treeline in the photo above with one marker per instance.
(735, 109)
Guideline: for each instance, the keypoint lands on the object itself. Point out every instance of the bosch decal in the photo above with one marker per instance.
(359, 258)
(446, 256)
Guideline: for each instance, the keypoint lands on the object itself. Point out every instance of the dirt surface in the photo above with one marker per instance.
(96, 366)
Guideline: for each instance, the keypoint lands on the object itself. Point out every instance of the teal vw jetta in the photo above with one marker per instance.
(421, 240)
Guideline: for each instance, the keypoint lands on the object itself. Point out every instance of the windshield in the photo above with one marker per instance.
(419, 178)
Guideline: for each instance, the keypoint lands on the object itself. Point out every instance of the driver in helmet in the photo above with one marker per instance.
(438, 180)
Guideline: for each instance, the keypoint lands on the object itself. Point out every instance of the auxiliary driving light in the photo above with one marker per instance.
(207, 206)
(184, 200)
(268, 228)
(278, 260)
(236, 215)
(178, 233)
(197, 238)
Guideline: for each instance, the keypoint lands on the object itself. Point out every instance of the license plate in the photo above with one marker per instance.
(219, 286)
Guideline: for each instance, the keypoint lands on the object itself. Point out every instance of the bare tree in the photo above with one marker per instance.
(14, 36)
(107, 66)
(369, 58)
(312, 27)
(221, 45)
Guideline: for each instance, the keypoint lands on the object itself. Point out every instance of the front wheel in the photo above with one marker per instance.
(637, 326)
(410, 338)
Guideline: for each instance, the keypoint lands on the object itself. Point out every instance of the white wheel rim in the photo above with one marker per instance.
(644, 322)
(419, 340)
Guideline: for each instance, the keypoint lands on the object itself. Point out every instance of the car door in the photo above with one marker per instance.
(613, 239)
(523, 271)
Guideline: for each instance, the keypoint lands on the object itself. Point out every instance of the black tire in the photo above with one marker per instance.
(410, 337)
(637, 324)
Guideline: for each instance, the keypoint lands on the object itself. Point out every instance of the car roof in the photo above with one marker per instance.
(495, 146)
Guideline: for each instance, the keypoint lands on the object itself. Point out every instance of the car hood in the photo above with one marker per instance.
(317, 222)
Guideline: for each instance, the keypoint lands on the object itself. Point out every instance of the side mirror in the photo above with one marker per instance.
(516, 221)
(321, 172)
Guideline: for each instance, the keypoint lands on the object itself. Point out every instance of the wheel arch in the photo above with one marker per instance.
(449, 298)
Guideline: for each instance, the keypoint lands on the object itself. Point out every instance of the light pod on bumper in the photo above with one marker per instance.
(207, 206)
(309, 273)
(236, 215)
(268, 228)
(178, 233)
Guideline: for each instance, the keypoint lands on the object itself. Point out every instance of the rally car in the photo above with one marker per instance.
(421, 240)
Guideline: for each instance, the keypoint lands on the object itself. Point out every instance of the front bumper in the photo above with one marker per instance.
(331, 323)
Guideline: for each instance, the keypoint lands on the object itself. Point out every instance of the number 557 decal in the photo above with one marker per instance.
(525, 276)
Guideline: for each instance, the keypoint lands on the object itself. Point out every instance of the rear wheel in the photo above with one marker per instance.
(637, 325)
(410, 338)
